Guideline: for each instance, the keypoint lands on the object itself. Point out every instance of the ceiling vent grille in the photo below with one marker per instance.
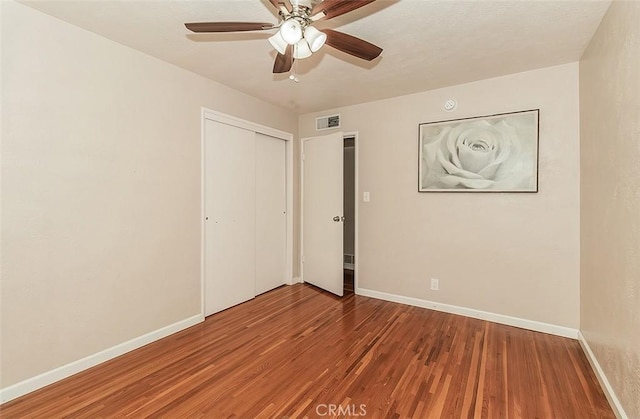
(328, 122)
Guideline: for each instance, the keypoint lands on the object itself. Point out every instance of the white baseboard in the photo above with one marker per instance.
(476, 314)
(34, 383)
(602, 378)
(296, 280)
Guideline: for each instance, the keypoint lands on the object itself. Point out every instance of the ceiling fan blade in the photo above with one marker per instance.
(278, 4)
(227, 26)
(333, 8)
(352, 45)
(284, 61)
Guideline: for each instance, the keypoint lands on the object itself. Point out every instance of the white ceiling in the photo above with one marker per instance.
(427, 44)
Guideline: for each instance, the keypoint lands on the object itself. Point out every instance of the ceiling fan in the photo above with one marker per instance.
(297, 38)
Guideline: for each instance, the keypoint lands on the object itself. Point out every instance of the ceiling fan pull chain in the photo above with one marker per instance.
(293, 77)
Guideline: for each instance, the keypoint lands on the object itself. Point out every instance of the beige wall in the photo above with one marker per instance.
(100, 190)
(610, 201)
(511, 254)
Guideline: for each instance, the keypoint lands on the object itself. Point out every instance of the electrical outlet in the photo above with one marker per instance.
(435, 284)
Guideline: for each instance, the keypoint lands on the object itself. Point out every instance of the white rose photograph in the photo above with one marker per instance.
(496, 153)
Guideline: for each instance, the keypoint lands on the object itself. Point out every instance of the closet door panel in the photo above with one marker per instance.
(230, 210)
(271, 205)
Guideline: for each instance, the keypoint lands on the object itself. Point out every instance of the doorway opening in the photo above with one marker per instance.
(349, 211)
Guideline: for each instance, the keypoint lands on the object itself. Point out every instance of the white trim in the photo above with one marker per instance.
(296, 280)
(356, 145)
(34, 383)
(202, 207)
(301, 206)
(552, 329)
(602, 378)
(248, 125)
(208, 114)
(289, 175)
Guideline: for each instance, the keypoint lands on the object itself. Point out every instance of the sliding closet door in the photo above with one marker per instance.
(230, 213)
(271, 205)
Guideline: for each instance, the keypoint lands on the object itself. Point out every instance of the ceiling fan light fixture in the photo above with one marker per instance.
(291, 31)
(301, 50)
(278, 43)
(315, 38)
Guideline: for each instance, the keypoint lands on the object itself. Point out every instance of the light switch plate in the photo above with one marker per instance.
(366, 197)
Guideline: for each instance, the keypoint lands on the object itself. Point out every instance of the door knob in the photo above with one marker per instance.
(336, 218)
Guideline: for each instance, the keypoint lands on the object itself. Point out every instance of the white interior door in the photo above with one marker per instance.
(230, 213)
(322, 206)
(271, 213)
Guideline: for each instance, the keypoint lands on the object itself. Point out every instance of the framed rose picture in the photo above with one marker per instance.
(494, 153)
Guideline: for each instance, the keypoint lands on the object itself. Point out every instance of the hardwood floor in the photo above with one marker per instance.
(298, 351)
(349, 279)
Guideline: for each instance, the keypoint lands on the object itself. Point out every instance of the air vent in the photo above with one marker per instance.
(328, 122)
(349, 261)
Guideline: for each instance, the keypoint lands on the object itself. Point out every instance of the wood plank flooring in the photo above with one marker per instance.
(301, 352)
(348, 281)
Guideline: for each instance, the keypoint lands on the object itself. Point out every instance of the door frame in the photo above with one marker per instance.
(349, 134)
(211, 115)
